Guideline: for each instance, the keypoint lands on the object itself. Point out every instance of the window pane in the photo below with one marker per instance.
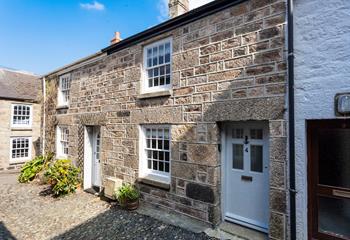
(166, 167)
(237, 133)
(149, 52)
(154, 143)
(161, 80)
(166, 133)
(237, 155)
(161, 166)
(256, 158)
(167, 69)
(160, 144)
(156, 81)
(256, 133)
(155, 165)
(334, 157)
(167, 79)
(167, 52)
(166, 144)
(155, 56)
(334, 216)
(167, 158)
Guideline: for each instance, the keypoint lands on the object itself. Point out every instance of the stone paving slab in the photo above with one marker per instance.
(26, 213)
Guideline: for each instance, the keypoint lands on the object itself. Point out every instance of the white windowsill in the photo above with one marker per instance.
(163, 93)
(155, 180)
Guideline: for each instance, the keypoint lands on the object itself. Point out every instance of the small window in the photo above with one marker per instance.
(64, 90)
(156, 150)
(157, 65)
(237, 156)
(62, 142)
(21, 115)
(256, 133)
(237, 133)
(20, 148)
(256, 158)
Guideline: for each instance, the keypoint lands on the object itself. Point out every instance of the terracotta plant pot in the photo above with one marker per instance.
(131, 205)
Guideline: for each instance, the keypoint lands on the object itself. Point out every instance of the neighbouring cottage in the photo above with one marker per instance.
(192, 110)
(322, 118)
(20, 118)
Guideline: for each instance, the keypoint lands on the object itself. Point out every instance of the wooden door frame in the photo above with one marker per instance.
(312, 172)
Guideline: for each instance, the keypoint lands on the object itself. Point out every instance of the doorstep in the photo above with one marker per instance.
(240, 231)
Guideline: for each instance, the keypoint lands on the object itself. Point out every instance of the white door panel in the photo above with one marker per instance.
(96, 169)
(246, 175)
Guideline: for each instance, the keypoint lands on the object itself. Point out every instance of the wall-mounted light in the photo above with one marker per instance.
(342, 104)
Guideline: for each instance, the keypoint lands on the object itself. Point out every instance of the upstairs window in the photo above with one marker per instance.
(64, 90)
(21, 116)
(20, 148)
(157, 64)
(62, 142)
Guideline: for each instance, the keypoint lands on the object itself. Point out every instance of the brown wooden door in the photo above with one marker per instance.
(329, 179)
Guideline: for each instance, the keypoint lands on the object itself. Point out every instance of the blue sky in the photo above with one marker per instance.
(41, 35)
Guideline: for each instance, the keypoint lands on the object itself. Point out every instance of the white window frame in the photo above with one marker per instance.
(62, 101)
(13, 124)
(145, 88)
(145, 172)
(59, 147)
(21, 159)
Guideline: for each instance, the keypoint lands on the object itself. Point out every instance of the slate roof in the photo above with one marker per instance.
(19, 85)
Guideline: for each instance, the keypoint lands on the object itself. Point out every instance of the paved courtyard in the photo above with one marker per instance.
(26, 212)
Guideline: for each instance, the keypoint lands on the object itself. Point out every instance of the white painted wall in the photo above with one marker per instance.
(322, 69)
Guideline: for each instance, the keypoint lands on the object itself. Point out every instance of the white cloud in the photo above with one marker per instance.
(163, 10)
(93, 6)
(198, 3)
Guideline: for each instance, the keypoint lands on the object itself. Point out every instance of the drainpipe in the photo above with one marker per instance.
(291, 121)
(44, 116)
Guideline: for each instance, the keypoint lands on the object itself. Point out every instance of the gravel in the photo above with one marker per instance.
(27, 212)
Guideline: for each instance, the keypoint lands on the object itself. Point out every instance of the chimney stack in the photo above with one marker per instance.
(178, 7)
(116, 38)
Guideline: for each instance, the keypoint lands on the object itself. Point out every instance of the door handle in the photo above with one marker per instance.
(340, 193)
(247, 178)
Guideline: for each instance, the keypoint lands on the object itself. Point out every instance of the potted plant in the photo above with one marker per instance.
(128, 196)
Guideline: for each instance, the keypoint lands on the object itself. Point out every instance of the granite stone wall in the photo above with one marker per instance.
(230, 66)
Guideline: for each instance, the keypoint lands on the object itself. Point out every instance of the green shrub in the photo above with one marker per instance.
(63, 177)
(30, 170)
(127, 193)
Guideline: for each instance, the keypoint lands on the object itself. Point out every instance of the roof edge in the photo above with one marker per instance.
(191, 16)
(77, 62)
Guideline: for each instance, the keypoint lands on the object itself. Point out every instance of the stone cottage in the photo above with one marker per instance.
(20, 118)
(192, 110)
(322, 118)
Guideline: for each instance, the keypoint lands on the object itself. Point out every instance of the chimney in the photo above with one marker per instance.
(116, 38)
(178, 7)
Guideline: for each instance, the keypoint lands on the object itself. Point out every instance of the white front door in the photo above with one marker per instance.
(96, 169)
(246, 175)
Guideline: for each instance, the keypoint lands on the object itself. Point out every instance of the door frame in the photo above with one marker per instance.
(89, 139)
(312, 173)
(223, 149)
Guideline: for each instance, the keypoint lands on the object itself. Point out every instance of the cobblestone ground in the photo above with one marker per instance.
(26, 213)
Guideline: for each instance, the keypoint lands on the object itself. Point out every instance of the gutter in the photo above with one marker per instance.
(291, 122)
(183, 19)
